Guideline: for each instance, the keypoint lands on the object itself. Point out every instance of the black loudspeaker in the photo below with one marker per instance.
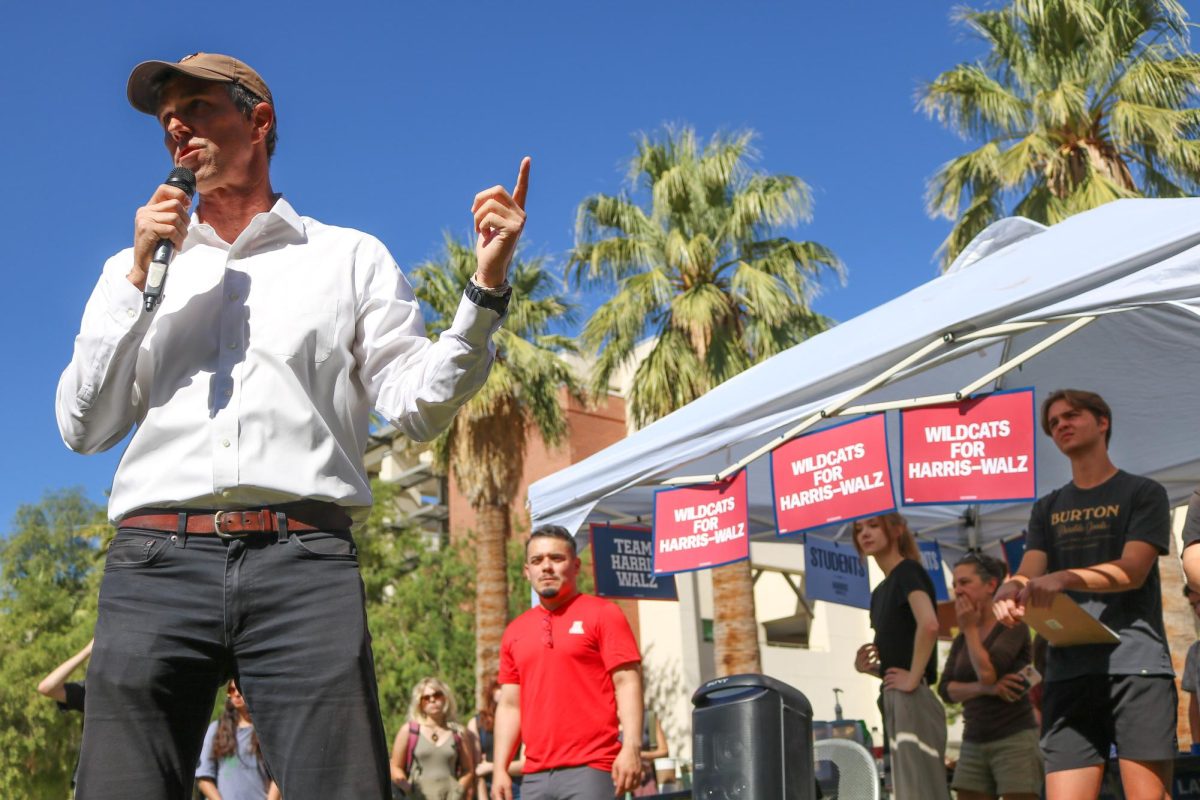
(752, 739)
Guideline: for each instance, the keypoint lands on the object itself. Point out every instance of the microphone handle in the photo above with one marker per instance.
(156, 276)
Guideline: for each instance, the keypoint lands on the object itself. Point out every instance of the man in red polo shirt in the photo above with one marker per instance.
(569, 671)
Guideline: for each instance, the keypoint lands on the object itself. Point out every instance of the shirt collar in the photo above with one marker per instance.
(281, 223)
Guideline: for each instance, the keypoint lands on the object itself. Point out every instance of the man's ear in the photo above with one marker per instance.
(262, 117)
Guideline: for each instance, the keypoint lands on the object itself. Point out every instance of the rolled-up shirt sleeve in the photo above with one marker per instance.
(416, 383)
(95, 403)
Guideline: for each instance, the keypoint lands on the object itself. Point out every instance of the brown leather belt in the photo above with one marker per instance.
(241, 523)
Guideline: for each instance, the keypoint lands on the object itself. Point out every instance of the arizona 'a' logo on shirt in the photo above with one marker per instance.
(576, 627)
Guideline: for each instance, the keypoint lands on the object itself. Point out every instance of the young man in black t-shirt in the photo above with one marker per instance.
(1098, 538)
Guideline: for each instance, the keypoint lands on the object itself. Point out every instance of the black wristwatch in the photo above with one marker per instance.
(493, 299)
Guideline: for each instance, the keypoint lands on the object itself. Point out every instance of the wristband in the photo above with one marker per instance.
(492, 298)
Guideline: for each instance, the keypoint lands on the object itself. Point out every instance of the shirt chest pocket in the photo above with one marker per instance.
(304, 334)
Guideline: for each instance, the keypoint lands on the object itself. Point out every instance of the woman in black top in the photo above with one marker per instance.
(482, 725)
(906, 630)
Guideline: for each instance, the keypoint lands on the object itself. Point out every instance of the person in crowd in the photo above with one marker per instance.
(432, 759)
(1191, 535)
(1098, 538)
(654, 745)
(248, 389)
(570, 675)
(905, 621)
(1000, 756)
(231, 762)
(1190, 682)
(69, 695)
(483, 726)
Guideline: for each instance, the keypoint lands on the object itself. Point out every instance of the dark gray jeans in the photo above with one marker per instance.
(180, 615)
(568, 783)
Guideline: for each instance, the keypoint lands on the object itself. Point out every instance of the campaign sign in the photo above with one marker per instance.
(833, 475)
(931, 558)
(834, 572)
(976, 451)
(1014, 551)
(696, 527)
(621, 562)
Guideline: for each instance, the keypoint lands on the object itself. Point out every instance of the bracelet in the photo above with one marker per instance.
(503, 290)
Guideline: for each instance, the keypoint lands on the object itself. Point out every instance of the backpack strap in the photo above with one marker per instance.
(414, 734)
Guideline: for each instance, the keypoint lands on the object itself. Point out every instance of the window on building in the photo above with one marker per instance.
(792, 630)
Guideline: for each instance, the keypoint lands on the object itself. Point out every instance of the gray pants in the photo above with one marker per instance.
(180, 615)
(916, 732)
(570, 783)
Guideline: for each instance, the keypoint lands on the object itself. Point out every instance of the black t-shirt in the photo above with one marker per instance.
(893, 620)
(1191, 523)
(1083, 527)
(74, 699)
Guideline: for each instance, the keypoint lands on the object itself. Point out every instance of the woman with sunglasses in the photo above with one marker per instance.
(431, 758)
(906, 631)
(1000, 755)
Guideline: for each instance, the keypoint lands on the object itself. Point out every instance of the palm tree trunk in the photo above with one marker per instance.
(735, 626)
(491, 593)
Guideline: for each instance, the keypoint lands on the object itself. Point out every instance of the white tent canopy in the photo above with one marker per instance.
(1133, 265)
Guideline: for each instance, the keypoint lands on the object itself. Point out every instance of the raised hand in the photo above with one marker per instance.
(966, 611)
(499, 220)
(165, 216)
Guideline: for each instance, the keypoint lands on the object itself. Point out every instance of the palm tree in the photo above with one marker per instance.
(485, 445)
(1078, 102)
(705, 272)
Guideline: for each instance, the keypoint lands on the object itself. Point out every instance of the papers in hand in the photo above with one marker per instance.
(1065, 623)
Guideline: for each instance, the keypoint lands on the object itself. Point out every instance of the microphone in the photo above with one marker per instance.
(156, 276)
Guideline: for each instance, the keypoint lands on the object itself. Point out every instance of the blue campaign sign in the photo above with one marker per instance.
(623, 565)
(833, 572)
(931, 557)
(1014, 551)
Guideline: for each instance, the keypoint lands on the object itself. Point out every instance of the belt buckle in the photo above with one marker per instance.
(226, 535)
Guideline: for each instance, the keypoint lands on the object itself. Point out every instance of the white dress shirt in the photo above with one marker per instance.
(252, 382)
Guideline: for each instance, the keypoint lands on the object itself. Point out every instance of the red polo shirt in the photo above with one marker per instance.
(563, 660)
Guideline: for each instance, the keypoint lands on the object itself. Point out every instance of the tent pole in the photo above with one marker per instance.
(1018, 360)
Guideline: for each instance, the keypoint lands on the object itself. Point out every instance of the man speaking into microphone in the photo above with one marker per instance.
(249, 384)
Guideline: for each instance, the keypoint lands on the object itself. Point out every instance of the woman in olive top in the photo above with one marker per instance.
(1000, 755)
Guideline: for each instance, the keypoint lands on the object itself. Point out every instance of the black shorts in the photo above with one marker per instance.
(1083, 717)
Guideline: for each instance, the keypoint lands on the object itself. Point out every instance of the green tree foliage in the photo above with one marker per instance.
(1077, 103)
(48, 587)
(485, 445)
(420, 604)
(705, 272)
(704, 269)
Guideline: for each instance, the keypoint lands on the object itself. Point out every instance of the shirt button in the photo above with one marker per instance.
(233, 345)
(233, 296)
(131, 313)
(224, 443)
(229, 392)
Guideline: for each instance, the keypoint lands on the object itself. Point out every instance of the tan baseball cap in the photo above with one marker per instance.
(144, 80)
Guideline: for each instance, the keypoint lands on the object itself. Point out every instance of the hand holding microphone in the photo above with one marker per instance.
(159, 227)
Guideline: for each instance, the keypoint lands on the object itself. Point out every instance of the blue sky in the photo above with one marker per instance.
(392, 115)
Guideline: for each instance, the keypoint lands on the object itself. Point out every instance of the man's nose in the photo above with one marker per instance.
(177, 129)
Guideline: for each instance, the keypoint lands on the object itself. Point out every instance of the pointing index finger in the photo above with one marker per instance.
(522, 188)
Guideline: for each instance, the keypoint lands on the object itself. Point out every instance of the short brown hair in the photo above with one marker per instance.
(1081, 400)
(896, 528)
(552, 532)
